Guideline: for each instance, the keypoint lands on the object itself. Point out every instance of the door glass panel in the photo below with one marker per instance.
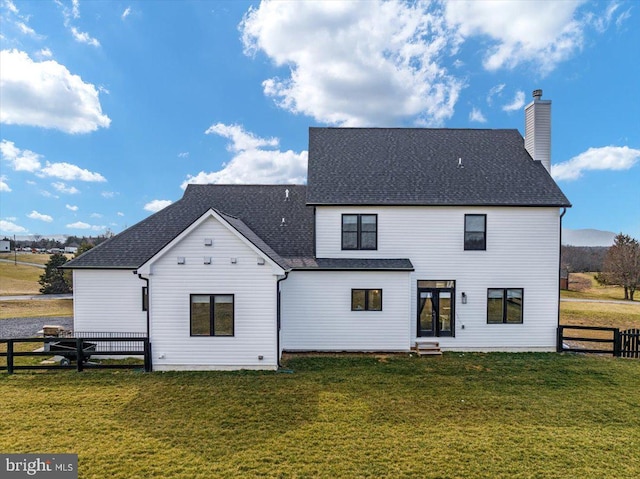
(426, 312)
(445, 311)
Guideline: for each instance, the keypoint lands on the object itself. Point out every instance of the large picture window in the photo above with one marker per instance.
(475, 232)
(366, 300)
(504, 306)
(359, 231)
(212, 315)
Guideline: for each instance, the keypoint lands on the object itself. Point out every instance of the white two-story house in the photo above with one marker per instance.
(401, 237)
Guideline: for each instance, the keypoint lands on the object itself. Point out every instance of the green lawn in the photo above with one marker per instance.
(457, 416)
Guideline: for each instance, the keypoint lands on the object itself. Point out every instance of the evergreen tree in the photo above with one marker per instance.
(54, 280)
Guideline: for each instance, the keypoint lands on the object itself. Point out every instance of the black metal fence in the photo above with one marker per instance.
(599, 340)
(78, 348)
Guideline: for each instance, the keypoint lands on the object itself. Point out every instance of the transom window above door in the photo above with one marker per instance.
(359, 231)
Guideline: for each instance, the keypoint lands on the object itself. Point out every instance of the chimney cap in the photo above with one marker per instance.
(537, 94)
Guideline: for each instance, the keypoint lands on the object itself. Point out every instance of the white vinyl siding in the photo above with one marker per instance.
(521, 252)
(253, 287)
(317, 315)
(108, 300)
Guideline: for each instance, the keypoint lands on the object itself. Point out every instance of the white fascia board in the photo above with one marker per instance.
(146, 267)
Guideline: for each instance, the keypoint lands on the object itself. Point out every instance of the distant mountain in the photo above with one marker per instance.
(587, 237)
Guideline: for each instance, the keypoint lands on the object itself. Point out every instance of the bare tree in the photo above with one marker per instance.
(622, 265)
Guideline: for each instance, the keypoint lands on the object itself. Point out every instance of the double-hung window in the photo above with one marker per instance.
(212, 315)
(359, 231)
(504, 305)
(475, 232)
(366, 300)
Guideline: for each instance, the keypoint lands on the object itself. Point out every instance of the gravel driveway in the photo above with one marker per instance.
(28, 327)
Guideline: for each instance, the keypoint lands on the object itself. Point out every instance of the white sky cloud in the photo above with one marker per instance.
(27, 30)
(81, 225)
(69, 172)
(11, 227)
(477, 116)
(495, 91)
(184, 154)
(241, 140)
(108, 194)
(45, 53)
(516, 104)
(355, 66)
(20, 160)
(126, 13)
(71, 207)
(11, 6)
(95, 215)
(4, 186)
(157, 205)
(120, 213)
(252, 163)
(84, 37)
(34, 215)
(604, 158)
(541, 33)
(47, 95)
(27, 160)
(64, 188)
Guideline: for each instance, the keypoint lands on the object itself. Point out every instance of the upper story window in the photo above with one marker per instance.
(475, 232)
(359, 231)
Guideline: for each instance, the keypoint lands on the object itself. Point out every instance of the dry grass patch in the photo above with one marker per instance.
(462, 415)
(623, 316)
(19, 279)
(36, 308)
(584, 286)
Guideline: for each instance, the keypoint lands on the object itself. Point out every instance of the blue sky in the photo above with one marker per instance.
(108, 108)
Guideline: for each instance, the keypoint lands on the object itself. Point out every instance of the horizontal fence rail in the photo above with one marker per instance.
(624, 344)
(79, 349)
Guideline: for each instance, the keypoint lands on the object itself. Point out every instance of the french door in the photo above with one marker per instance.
(436, 308)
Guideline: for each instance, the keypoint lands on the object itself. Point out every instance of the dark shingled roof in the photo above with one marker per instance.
(333, 264)
(258, 212)
(419, 166)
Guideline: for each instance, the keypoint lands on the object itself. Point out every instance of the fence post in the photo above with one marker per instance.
(559, 340)
(79, 355)
(147, 356)
(617, 343)
(10, 356)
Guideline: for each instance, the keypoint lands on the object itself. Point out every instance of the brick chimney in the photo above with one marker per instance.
(537, 129)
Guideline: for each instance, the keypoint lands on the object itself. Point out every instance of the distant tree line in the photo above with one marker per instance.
(38, 242)
(582, 259)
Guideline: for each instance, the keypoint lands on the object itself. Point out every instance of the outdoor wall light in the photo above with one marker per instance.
(180, 259)
(260, 261)
(207, 260)
(234, 260)
(208, 242)
(464, 298)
